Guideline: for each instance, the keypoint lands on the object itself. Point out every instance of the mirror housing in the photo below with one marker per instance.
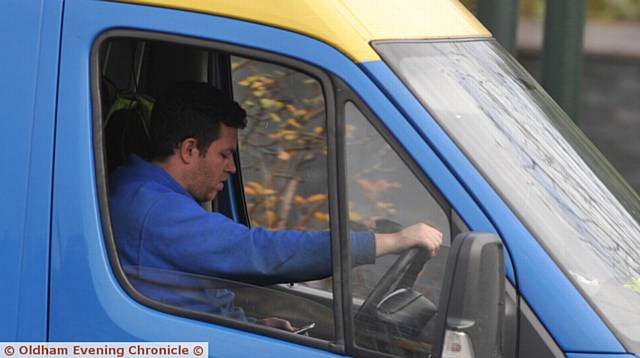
(471, 313)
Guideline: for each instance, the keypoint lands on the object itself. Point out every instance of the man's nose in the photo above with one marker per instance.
(231, 167)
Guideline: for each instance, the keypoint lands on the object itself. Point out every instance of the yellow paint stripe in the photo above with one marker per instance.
(349, 25)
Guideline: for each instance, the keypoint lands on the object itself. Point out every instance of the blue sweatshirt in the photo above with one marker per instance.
(160, 227)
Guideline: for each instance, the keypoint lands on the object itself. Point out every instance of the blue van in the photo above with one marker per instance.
(363, 116)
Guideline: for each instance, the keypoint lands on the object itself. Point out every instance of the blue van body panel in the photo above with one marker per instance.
(86, 300)
(570, 319)
(29, 75)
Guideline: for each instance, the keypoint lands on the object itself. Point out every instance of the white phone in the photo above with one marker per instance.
(305, 328)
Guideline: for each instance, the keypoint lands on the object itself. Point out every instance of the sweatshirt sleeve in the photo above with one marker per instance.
(178, 234)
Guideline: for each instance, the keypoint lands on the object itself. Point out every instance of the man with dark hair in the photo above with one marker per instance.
(158, 220)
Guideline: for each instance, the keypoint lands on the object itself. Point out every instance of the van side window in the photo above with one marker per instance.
(386, 196)
(283, 153)
(281, 174)
(283, 150)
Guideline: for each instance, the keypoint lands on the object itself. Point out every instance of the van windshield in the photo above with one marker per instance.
(541, 164)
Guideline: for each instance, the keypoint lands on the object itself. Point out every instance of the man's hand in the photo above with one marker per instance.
(418, 235)
(276, 322)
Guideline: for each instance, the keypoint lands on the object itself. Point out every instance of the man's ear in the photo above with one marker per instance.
(188, 150)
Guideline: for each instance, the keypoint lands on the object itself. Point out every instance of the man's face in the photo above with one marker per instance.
(210, 172)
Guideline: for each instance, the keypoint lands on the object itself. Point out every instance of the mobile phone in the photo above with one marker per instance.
(305, 328)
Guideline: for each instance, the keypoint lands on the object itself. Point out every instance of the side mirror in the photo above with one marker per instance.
(472, 299)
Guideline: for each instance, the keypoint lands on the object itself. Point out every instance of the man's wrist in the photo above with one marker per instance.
(387, 243)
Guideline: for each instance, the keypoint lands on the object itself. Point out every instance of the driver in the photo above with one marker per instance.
(159, 222)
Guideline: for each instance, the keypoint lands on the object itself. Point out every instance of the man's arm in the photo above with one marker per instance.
(178, 234)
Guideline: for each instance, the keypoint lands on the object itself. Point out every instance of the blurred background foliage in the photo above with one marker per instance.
(605, 10)
(284, 146)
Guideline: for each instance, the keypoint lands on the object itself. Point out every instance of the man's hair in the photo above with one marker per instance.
(191, 110)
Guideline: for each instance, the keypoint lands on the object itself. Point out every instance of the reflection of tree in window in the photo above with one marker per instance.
(283, 149)
(381, 187)
(375, 181)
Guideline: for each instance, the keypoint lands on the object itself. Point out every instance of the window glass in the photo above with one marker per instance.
(561, 187)
(283, 150)
(385, 196)
(173, 250)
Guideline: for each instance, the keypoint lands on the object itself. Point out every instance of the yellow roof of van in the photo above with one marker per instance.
(348, 25)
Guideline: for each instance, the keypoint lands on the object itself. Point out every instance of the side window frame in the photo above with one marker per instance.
(101, 176)
(346, 94)
(232, 196)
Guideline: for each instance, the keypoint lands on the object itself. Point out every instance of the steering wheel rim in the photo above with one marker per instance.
(402, 273)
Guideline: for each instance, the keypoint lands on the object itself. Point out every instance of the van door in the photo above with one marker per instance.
(92, 295)
(30, 37)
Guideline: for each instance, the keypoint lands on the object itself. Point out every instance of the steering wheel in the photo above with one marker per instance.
(402, 274)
